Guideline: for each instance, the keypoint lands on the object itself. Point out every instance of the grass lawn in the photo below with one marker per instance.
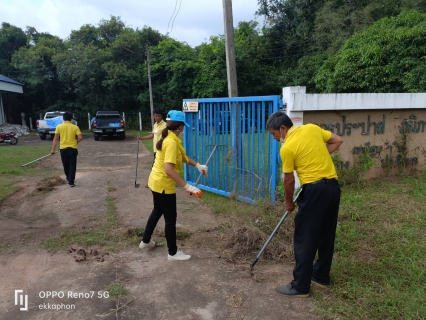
(380, 257)
(11, 160)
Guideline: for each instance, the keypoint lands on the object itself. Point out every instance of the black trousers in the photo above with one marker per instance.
(69, 162)
(315, 230)
(164, 204)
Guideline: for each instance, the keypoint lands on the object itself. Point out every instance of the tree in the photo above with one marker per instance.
(291, 25)
(210, 77)
(304, 72)
(337, 20)
(37, 71)
(11, 39)
(172, 69)
(390, 56)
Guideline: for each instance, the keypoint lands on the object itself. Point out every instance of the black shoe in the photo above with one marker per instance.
(288, 290)
(146, 186)
(319, 284)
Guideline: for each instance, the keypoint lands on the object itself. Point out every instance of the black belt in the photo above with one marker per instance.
(320, 181)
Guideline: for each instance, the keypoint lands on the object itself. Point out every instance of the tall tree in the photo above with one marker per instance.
(11, 39)
(291, 24)
(37, 71)
(210, 77)
(390, 56)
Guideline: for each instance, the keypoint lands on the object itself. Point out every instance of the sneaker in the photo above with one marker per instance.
(149, 245)
(288, 290)
(319, 284)
(179, 256)
(72, 185)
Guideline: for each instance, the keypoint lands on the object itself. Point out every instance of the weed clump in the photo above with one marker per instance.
(245, 242)
(48, 184)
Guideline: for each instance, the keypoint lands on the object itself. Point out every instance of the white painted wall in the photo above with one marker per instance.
(298, 100)
(8, 87)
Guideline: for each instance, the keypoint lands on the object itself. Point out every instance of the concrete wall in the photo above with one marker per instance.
(391, 126)
(394, 138)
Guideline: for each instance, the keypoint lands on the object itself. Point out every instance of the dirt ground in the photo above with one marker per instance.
(205, 287)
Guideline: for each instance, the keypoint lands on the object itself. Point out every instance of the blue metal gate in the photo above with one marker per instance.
(244, 163)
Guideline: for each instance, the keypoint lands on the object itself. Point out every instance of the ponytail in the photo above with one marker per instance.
(171, 125)
(164, 134)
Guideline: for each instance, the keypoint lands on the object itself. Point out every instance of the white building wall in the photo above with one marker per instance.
(299, 101)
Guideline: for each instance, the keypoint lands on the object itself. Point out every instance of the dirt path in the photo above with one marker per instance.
(206, 287)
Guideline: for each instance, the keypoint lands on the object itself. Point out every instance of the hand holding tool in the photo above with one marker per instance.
(193, 190)
(202, 168)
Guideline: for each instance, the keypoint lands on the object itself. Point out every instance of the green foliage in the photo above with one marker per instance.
(363, 163)
(11, 40)
(378, 265)
(304, 72)
(210, 77)
(388, 57)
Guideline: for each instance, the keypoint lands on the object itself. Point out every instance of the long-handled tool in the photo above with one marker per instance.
(272, 234)
(36, 160)
(208, 160)
(137, 158)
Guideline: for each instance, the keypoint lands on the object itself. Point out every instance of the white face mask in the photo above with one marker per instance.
(281, 137)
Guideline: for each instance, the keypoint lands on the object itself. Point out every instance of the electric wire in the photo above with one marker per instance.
(180, 3)
(167, 31)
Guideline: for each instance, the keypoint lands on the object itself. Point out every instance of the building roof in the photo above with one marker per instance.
(6, 79)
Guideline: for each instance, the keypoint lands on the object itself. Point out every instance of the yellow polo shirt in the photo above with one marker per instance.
(304, 151)
(67, 132)
(158, 180)
(157, 130)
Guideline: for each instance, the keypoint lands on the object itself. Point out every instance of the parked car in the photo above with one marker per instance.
(47, 125)
(108, 123)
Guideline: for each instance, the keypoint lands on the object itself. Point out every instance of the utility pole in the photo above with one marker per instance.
(151, 102)
(231, 69)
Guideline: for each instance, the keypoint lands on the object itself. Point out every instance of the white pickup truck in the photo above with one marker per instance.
(44, 129)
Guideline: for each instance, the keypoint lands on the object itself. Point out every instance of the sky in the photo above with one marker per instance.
(190, 21)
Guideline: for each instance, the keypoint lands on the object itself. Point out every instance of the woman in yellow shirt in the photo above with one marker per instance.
(162, 182)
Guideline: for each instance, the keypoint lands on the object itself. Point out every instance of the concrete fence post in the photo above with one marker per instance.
(24, 122)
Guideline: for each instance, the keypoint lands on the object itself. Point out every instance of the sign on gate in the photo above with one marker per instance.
(190, 106)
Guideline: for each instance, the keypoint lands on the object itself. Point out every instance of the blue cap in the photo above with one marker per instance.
(175, 115)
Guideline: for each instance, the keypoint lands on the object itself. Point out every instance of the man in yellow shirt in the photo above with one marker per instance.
(158, 128)
(307, 151)
(68, 135)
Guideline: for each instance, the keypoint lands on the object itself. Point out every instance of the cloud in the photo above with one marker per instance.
(194, 22)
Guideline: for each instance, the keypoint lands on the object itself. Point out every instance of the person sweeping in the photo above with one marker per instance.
(162, 182)
(307, 150)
